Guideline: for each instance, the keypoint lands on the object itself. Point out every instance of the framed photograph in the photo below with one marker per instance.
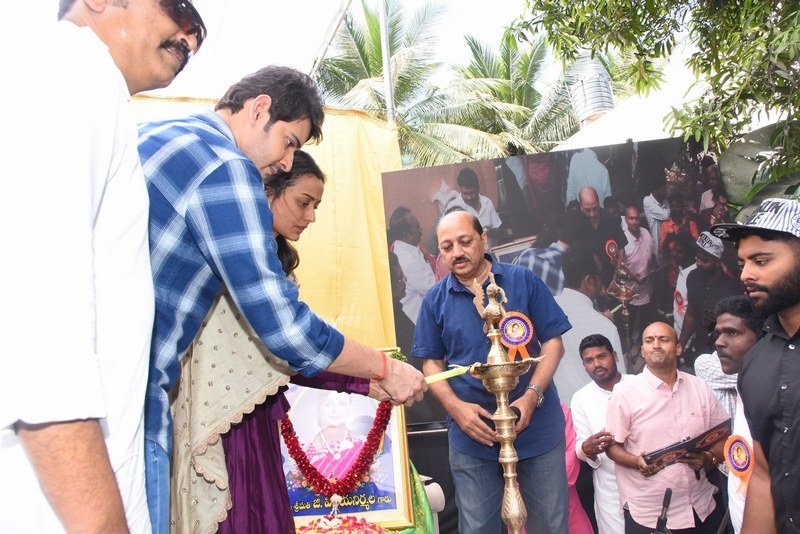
(331, 428)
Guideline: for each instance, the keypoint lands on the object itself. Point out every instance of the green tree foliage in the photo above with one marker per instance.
(431, 126)
(508, 81)
(746, 51)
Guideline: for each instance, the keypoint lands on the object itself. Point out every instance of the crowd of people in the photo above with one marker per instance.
(617, 419)
(174, 265)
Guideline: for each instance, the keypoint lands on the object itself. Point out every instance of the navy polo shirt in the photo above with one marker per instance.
(450, 328)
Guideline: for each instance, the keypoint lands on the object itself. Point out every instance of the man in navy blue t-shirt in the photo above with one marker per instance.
(450, 331)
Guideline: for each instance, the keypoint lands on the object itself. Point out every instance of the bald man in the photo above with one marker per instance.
(605, 232)
(450, 331)
(657, 408)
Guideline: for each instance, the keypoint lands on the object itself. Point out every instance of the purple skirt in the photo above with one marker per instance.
(255, 473)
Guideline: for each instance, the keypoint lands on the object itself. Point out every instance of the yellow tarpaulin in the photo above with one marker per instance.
(344, 272)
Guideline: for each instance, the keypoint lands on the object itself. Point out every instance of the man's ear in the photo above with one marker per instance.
(259, 106)
(678, 349)
(95, 6)
(616, 358)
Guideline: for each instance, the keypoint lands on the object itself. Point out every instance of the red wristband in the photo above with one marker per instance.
(383, 370)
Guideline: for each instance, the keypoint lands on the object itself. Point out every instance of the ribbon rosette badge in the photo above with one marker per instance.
(739, 457)
(516, 331)
(611, 250)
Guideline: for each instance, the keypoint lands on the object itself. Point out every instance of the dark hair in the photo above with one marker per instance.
(595, 340)
(294, 96)
(64, 7)
(275, 186)
(633, 205)
(707, 161)
(574, 228)
(767, 235)
(579, 262)
(468, 178)
(741, 307)
(657, 182)
(398, 224)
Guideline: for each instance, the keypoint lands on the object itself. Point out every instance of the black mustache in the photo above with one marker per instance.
(756, 287)
(180, 47)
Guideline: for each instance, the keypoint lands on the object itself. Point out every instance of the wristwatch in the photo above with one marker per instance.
(539, 394)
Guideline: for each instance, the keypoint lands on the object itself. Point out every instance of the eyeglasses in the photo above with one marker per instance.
(184, 14)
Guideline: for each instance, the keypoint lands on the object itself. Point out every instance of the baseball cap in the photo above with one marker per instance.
(710, 244)
(774, 214)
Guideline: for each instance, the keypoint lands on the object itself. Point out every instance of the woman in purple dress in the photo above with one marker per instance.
(227, 470)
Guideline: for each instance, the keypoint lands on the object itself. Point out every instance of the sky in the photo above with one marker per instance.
(244, 35)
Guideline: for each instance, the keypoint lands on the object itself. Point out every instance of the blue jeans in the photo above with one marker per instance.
(479, 492)
(156, 468)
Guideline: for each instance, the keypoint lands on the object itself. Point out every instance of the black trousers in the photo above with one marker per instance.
(709, 526)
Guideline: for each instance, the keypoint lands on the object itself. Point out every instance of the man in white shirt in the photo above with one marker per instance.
(582, 283)
(681, 297)
(73, 380)
(585, 170)
(589, 417)
(656, 210)
(737, 327)
(405, 234)
(471, 200)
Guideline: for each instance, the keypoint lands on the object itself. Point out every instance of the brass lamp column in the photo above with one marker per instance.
(500, 376)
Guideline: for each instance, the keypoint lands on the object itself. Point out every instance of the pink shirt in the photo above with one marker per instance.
(577, 519)
(645, 415)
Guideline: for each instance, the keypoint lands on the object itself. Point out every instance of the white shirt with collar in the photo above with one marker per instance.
(589, 417)
(571, 375)
(80, 284)
(419, 277)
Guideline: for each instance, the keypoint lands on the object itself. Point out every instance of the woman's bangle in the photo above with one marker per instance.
(383, 369)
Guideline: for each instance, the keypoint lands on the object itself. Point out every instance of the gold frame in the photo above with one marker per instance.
(399, 517)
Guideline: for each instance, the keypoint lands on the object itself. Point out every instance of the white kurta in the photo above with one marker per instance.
(589, 417)
(419, 277)
(680, 298)
(585, 320)
(74, 214)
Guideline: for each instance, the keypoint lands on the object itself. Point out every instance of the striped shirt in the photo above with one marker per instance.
(210, 224)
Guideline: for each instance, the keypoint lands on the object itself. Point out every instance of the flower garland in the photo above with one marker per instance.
(332, 488)
(356, 475)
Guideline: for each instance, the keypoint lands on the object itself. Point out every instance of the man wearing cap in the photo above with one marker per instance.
(74, 371)
(768, 245)
(705, 286)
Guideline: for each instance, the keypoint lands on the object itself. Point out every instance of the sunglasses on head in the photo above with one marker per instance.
(184, 14)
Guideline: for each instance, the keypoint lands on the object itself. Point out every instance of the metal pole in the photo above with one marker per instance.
(326, 44)
(387, 61)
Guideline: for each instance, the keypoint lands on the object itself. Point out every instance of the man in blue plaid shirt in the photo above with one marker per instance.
(546, 262)
(210, 224)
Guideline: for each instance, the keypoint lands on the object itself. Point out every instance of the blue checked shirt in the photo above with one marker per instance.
(210, 224)
(546, 264)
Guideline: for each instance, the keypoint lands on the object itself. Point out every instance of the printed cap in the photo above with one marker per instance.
(775, 214)
(710, 244)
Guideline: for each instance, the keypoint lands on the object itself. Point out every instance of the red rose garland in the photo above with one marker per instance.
(356, 475)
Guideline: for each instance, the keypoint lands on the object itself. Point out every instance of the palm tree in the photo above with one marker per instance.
(519, 105)
(433, 129)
